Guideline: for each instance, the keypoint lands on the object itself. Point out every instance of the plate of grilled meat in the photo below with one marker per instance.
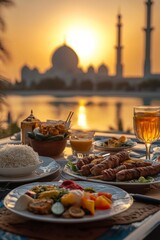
(117, 169)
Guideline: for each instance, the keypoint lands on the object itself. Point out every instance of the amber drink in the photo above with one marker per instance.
(147, 125)
(81, 142)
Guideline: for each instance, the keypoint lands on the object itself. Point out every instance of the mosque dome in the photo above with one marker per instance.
(90, 69)
(65, 58)
(103, 69)
(35, 70)
(25, 70)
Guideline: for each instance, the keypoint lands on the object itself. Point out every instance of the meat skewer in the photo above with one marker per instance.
(135, 173)
(86, 169)
(109, 174)
(112, 162)
(87, 160)
(136, 164)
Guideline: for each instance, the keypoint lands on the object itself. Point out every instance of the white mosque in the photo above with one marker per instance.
(65, 63)
(64, 66)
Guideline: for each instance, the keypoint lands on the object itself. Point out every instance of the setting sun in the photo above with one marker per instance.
(83, 40)
(90, 29)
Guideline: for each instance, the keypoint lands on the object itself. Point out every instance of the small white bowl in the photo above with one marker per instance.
(18, 171)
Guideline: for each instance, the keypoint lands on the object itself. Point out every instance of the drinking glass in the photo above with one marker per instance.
(146, 123)
(81, 142)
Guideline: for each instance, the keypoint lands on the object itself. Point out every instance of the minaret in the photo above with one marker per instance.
(119, 67)
(148, 30)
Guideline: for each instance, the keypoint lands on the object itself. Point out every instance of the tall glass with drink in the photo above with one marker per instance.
(146, 123)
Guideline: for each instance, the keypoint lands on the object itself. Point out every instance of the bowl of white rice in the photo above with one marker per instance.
(18, 160)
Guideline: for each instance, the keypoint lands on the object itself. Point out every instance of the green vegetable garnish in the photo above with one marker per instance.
(71, 166)
(89, 189)
(145, 180)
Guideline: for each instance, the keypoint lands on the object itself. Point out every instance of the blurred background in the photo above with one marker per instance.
(96, 58)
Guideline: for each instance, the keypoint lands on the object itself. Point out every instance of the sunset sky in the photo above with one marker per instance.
(35, 28)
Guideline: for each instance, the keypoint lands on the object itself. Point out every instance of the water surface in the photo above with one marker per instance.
(90, 112)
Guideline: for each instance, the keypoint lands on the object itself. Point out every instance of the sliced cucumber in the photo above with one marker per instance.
(57, 208)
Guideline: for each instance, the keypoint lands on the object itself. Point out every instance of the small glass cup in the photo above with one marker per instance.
(81, 143)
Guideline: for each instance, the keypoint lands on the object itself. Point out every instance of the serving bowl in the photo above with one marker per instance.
(48, 148)
(49, 139)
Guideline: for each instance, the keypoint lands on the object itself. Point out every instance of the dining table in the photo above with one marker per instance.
(140, 221)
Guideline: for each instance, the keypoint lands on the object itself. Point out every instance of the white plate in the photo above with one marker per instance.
(121, 202)
(48, 167)
(19, 171)
(100, 146)
(117, 183)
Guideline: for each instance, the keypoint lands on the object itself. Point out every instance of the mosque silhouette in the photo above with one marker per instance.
(65, 63)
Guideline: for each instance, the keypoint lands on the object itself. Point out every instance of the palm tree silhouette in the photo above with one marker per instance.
(3, 51)
(4, 54)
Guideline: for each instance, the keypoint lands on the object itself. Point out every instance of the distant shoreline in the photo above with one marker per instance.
(84, 93)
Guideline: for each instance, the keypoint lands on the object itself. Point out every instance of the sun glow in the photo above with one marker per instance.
(82, 122)
(83, 40)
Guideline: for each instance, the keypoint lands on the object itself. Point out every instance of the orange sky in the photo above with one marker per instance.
(36, 28)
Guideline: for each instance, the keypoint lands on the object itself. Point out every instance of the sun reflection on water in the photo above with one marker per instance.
(90, 112)
(82, 120)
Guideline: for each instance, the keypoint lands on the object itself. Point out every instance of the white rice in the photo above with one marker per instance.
(15, 156)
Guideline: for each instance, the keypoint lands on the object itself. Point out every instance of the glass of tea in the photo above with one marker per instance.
(81, 142)
(146, 122)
